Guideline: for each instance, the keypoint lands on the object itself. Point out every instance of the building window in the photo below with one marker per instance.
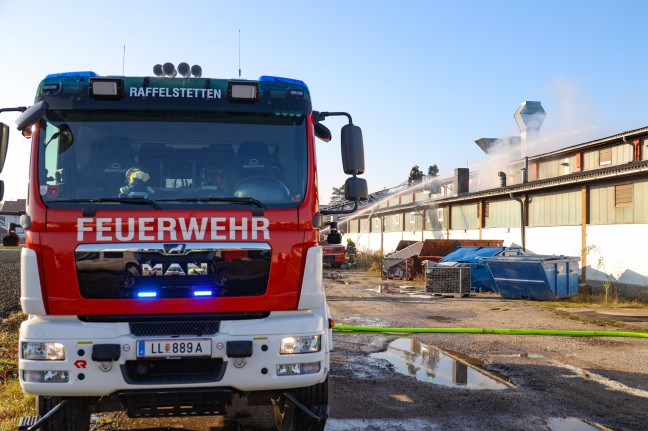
(605, 157)
(623, 196)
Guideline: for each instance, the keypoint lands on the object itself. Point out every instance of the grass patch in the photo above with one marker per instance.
(369, 261)
(13, 402)
(9, 328)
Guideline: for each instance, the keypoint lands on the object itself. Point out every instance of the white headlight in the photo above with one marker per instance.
(303, 344)
(298, 369)
(40, 351)
(37, 376)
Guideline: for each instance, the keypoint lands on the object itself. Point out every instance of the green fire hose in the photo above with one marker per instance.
(500, 331)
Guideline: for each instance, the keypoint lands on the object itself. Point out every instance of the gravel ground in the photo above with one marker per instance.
(9, 281)
(557, 380)
(552, 383)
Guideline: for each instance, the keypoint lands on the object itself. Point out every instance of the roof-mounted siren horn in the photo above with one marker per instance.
(157, 70)
(169, 70)
(196, 71)
(184, 70)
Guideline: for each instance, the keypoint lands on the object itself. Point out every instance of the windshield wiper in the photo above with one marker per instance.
(231, 200)
(136, 201)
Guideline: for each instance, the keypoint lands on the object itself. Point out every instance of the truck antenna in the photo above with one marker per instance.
(124, 61)
(239, 53)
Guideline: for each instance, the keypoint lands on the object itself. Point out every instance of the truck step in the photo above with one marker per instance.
(178, 402)
(26, 422)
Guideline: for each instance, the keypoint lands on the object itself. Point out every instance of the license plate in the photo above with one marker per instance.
(176, 348)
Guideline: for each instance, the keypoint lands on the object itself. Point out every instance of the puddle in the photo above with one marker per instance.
(431, 365)
(570, 424)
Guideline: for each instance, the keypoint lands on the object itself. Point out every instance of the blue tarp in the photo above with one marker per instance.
(480, 277)
(472, 254)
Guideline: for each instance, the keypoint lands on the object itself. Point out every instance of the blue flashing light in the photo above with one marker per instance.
(85, 74)
(290, 81)
(203, 293)
(147, 294)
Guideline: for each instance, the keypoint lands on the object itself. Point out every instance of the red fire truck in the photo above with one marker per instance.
(334, 251)
(172, 258)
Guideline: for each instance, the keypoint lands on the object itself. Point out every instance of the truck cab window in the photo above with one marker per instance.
(177, 160)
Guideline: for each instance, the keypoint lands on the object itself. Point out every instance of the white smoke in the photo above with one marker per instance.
(572, 119)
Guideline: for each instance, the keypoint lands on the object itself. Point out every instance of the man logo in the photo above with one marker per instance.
(174, 248)
(157, 270)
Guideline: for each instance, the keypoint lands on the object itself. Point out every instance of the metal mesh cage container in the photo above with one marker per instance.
(448, 280)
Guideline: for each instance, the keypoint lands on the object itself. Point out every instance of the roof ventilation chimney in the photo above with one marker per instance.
(461, 181)
(529, 118)
(502, 177)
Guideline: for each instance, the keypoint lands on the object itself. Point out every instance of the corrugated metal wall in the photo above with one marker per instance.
(503, 214)
(620, 154)
(604, 208)
(464, 216)
(413, 221)
(394, 223)
(556, 209)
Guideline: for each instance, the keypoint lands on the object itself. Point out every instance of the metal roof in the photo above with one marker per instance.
(578, 178)
(594, 143)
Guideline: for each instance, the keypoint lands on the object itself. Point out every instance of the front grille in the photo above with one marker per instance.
(178, 402)
(147, 329)
(163, 371)
(109, 271)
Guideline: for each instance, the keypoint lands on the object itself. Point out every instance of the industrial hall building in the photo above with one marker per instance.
(588, 200)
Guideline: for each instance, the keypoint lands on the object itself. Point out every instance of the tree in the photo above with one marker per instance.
(337, 195)
(415, 175)
(432, 185)
(433, 170)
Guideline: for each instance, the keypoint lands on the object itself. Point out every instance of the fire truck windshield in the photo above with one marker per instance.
(172, 158)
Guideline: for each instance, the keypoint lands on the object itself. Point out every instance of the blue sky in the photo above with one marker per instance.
(424, 79)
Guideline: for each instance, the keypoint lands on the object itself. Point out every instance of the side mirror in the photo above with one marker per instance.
(322, 132)
(1, 190)
(352, 150)
(355, 189)
(32, 115)
(4, 143)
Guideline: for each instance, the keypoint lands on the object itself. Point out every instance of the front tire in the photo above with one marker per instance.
(289, 417)
(74, 416)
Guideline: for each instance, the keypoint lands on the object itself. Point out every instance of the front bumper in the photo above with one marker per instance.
(88, 377)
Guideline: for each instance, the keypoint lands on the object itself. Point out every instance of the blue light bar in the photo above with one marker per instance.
(146, 294)
(203, 293)
(85, 74)
(279, 79)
